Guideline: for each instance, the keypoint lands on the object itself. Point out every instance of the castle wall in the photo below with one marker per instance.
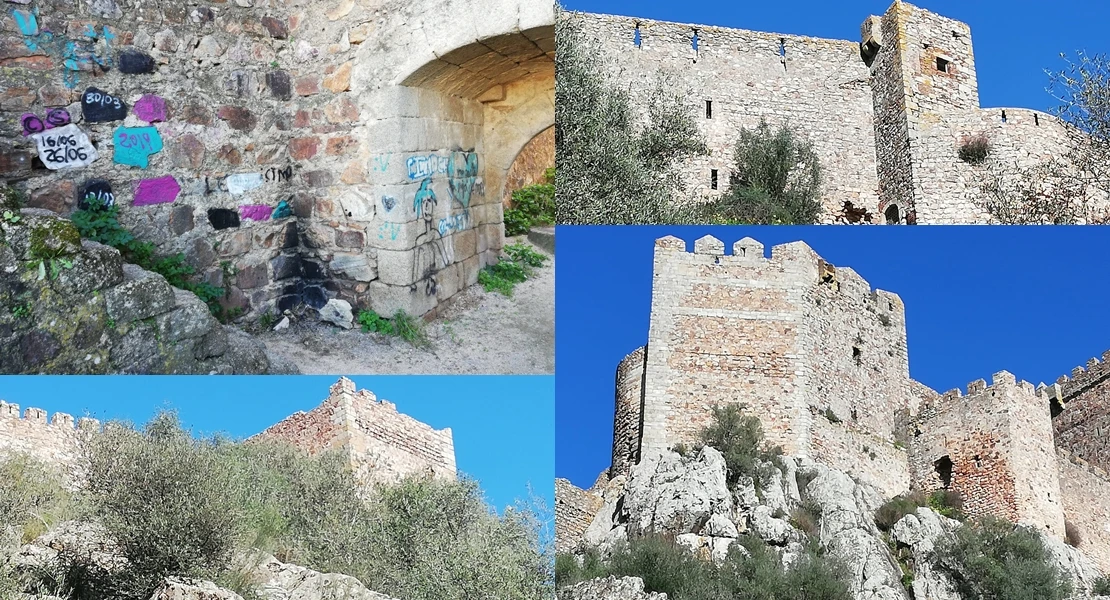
(998, 440)
(1081, 419)
(54, 442)
(1084, 489)
(628, 412)
(819, 86)
(726, 330)
(575, 509)
(873, 459)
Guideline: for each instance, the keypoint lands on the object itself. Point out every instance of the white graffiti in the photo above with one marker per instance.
(243, 183)
(65, 148)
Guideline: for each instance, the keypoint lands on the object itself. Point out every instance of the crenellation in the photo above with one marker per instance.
(886, 114)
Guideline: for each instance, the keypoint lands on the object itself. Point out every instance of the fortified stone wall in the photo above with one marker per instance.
(54, 442)
(628, 412)
(381, 443)
(1084, 489)
(575, 509)
(736, 77)
(887, 115)
(293, 151)
(1081, 411)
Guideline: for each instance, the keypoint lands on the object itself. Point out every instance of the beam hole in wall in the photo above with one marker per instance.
(782, 47)
(636, 36)
(943, 468)
(892, 216)
(978, 463)
(708, 109)
(1003, 116)
(713, 178)
(1036, 119)
(857, 355)
(942, 65)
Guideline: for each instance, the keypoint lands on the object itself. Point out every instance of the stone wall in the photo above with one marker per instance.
(994, 447)
(381, 443)
(886, 114)
(71, 306)
(1085, 488)
(294, 151)
(54, 442)
(628, 412)
(1081, 411)
(575, 509)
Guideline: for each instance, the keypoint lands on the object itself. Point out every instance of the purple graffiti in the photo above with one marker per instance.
(151, 108)
(256, 212)
(57, 117)
(156, 191)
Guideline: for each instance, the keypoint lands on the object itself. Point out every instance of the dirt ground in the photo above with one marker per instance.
(480, 333)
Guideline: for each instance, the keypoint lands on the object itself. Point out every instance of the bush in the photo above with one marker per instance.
(975, 150)
(32, 497)
(1101, 586)
(402, 325)
(569, 569)
(806, 518)
(894, 509)
(519, 264)
(947, 503)
(615, 168)
(739, 438)
(777, 179)
(531, 205)
(1072, 535)
(993, 559)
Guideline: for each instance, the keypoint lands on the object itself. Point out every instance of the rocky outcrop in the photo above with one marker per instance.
(610, 588)
(89, 544)
(279, 581)
(175, 588)
(72, 306)
(673, 494)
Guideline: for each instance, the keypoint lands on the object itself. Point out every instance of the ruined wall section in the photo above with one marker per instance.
(1084, 489)
(894, 161)
(55, 442)
(727, 330)
(628, 412)
(381, 443)
(994, 447)
(1081, 411)
(575, 509)
(819, 86)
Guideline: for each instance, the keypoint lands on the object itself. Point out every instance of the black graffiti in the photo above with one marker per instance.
(101, 107)
(276, 174)
(95, 191)
(57, 117)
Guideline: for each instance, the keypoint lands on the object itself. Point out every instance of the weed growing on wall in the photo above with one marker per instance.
(532, 205)
(402, 325)
(519, 263)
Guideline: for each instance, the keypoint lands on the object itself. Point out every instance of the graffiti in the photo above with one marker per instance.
(431, 254)
(65, 148)
(91, 54)
(27, 21)
(135, 62)
(156, 191)
(283, 210)
(242, 183)
(425, 199)
(389, 230)
(151, 108)
(256, 212)
(462, 174)
(97, 190)
(388, 202)
(101, 107)
(280, 175)
(134, 145)
(380, 164)
(57, 117)
(426, 166)
(452, 223)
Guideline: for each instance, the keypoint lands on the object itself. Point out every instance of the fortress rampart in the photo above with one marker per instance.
(886, 114)
(54, 442)
(822, 360)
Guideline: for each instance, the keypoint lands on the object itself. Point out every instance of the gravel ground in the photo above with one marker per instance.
(480, 333)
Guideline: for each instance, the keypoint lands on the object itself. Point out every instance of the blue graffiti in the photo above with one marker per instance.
(425, 198)
(426, 166)
(381, 163)
(389, 229)
(462, 174)
(28, 23)
(388, 202)
(457, 222)
(75, 56)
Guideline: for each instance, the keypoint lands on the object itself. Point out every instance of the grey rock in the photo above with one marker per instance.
(98, 267)
(921, 531)
(180, 588)
(282, 325)
(87, 544)
(281, 581)
(354, 266)
(142, 295)
(769, 529)
(191, 318)
(338, 312)
(669, 493)
(609, 588)
(719, 526)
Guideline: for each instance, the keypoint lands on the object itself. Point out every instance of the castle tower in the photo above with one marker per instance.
(994, 447)
(926, 94)
(627, 412)
(381, 443)
(808, 348)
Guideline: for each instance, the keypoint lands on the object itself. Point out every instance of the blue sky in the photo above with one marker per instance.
(1014, 40)
(501, 425)
(1029, 300)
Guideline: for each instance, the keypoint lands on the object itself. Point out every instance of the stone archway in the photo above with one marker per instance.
(530, 164)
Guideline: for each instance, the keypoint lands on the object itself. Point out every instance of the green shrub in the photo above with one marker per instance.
(894, 509)
(947, 503)
(777, 180)
(32, 497)
(1101, 586)
(402, 325)
(569, 571)
(975, 150)
(519, 264)
(806, 518)
(531, 205)
(993, 559)
(739, 438)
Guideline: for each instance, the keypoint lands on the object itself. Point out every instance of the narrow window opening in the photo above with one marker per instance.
(857, 354)
(943, 468)
(636, 36)
(956, 35)
(1036, 119)
(708, 109)
(1003, 116)
(855, 415)
(942, 65)
(782, 47)
(978, 463)
(892, 216)
(694, 41)
(713, 178)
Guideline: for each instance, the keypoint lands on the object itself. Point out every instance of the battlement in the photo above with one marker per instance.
(53, 441)
(1002, 383)
(1081, 379)
(9, 410)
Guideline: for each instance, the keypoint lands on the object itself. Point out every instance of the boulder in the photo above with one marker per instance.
(281, 581)
(87, 544)
(672, 494)
(179, 588)
(338, 312)
(921, 531)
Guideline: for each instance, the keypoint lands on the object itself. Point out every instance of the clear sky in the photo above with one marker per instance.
(501, 425)
(1029, 300)
(1014, 40)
